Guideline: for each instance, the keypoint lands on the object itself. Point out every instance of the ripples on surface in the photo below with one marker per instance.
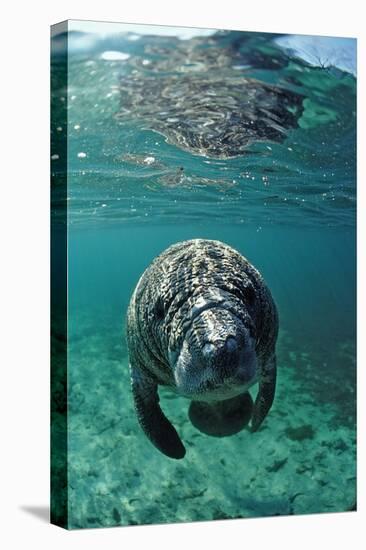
(126, 164)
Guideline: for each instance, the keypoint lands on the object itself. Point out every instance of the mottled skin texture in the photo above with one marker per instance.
(211, 115)
(202, 322)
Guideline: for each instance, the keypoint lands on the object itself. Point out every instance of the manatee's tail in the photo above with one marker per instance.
(222, 418)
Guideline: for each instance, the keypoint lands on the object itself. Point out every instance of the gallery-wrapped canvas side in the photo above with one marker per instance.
(59, 485)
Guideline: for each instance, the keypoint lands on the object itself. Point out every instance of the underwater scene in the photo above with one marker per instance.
(161, 135)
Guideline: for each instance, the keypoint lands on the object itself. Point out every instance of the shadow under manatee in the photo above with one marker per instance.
(40, 512)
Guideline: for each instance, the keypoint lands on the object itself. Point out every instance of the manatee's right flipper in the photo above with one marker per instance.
(151, 418)
(267, 388)
(222, 418)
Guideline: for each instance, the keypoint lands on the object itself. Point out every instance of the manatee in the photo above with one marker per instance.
(211, 115)
(201, 322)
(200, 94)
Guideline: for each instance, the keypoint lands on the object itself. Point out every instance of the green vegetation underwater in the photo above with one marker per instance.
(160, 135)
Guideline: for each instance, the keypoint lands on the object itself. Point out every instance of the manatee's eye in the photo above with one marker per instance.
(159, 309)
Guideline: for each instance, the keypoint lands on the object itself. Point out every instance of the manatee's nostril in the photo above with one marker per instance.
(208, 349)
(231, 344)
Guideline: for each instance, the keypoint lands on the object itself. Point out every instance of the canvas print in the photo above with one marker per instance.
(203, 293)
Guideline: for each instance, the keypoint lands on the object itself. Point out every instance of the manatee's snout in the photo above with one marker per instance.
(217, 357)
(222, 354)
(230, 360)
(228, 348)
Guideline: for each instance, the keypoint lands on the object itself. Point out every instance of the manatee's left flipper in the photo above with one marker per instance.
(151, 418)
(222, 418)
(267, 388)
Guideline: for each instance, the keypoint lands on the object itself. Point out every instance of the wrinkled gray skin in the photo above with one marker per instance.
(202, 322)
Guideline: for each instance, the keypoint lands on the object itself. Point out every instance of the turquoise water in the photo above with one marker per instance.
(288, 206)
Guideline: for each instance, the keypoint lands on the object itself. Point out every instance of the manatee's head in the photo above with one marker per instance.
(216, 357)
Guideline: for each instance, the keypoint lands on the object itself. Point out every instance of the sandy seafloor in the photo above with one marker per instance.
(301, 461)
